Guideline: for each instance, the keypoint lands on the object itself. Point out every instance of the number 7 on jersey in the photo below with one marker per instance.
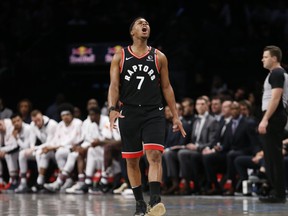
(141, 78)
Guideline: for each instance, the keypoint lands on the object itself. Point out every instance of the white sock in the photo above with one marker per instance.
(23, 181)
(104, 180)
(81, 177)
(40, 179)
(88, 181)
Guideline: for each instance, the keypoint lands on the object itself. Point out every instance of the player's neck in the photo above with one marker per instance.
(139, 47)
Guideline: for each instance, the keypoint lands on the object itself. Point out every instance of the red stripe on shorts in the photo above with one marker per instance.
(149, 146)
(132, 154)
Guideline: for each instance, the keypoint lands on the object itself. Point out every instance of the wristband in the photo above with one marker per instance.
(111, 109)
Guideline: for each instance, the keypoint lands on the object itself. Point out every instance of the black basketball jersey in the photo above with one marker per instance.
(140, 78)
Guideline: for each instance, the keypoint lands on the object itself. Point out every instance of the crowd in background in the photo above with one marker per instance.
(79, 153)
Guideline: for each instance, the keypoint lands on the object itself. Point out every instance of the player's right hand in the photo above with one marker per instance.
(113, 115)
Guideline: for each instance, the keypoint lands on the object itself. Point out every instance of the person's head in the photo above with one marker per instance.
(216, 105)
(272, 57)
(251, 98)
(92, 102)
(17, 121)
(139, 28)
(37, 118)
(179, 109)
(188, 106)
(24, 107)
(66, 112)
(207, 98)
(77, 113)
(94, 114)
(235, 110)
(201, 105)
(245, 108)
(240, 93)
(226, 108)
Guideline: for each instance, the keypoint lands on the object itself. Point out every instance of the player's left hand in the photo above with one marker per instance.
(113, 115)
(177, 126)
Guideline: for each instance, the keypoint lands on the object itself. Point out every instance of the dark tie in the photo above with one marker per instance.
(234, 125)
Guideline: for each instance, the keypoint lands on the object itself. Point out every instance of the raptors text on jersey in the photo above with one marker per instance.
(140, 78)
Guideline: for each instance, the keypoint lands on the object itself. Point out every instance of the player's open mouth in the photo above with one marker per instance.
(144, 29)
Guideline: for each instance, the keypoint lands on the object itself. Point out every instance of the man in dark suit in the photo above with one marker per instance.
(241, 136)
(214, 158)
(204, 131)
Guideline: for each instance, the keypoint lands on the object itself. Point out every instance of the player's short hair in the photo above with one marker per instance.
(274, 51)
(133, 22)
(14, 115)
(35, 112)
(66, 107)
(189, 100)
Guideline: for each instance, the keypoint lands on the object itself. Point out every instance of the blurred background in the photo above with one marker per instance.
(48, 47)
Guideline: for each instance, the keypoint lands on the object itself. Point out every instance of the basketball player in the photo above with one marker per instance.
(9, 151)
(138, 73)
(67, 137)
(43, 129)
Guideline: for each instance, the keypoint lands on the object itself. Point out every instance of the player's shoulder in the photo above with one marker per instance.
(119, 53)
(77, 121)
(162, 59)
(157, 51)
(278, 72)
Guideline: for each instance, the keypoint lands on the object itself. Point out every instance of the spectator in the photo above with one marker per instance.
(5, 112)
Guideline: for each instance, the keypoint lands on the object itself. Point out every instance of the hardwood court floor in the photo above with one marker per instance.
(110, 205)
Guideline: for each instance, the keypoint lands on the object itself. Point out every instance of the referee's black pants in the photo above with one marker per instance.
(273, 156)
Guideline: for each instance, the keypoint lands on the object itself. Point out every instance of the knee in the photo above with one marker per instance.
(182, 155)
(167, 155)
(60, 153)
(154, 157)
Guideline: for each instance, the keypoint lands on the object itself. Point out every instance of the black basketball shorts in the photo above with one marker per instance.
(141, 126)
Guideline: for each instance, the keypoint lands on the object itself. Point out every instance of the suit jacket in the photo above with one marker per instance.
(220, 134)
(243, 138)
(207, 134)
